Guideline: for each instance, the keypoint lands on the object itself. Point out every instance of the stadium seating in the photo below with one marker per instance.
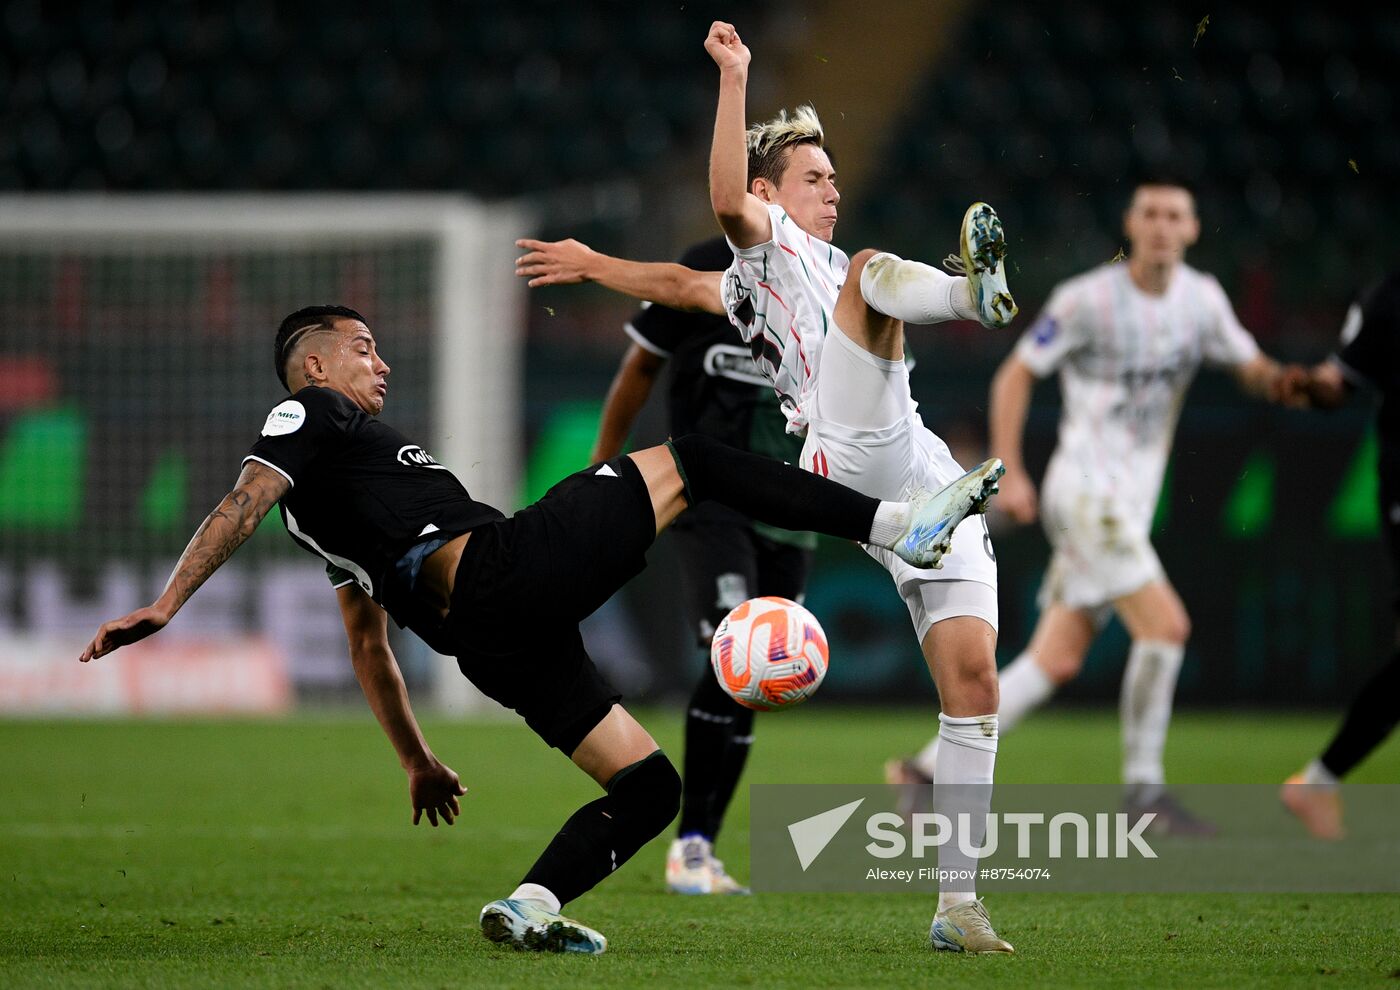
(507, 100)
(1055, 115)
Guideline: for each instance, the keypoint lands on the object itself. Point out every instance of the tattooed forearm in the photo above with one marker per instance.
(223, 531)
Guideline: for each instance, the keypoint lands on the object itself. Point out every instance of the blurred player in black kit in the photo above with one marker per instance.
(717, 391)
(1368, 357)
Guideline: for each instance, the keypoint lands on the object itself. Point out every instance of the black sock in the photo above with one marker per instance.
(718, 734)
(1370, 719)
(770, 491)
(603, 834)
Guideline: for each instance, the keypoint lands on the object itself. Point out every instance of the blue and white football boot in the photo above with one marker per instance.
(526, 924)
(934, 515)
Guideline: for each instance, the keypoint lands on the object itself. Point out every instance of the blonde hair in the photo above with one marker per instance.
(769, 142)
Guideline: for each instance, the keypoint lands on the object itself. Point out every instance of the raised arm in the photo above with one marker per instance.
(628, 393)
(432, 786)
(571, 263)
(224, 530)
(742, 216)
(1011, 399)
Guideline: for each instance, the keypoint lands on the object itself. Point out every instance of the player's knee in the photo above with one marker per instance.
(646, 795)
(860, 259)
(1175, 628)
(976, 689)
(1060, 668)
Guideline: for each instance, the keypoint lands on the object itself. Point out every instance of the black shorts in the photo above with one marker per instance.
(726, 562)
(525, 583)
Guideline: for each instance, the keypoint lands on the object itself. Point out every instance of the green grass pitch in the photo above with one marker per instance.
(279, 853)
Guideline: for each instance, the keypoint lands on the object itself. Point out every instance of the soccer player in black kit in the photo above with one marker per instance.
(1369, 356)
(715, 390)
(401, 537)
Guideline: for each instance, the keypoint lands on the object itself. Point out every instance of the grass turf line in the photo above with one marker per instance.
(279, 854)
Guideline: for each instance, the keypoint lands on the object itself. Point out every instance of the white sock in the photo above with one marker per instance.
(1145, 707)
(968, 755)
(1318, 775)
(891, 520)
(540, 895)
(1024, 687)
(915, 292)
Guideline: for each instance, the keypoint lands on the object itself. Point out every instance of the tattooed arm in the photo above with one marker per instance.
(224, 531)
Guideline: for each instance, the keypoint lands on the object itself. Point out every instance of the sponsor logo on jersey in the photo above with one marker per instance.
(285, 418)
(737, 298)
(734, 362)
(415, 456)
(1045, 330)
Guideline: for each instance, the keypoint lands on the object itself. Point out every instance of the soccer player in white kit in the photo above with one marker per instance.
(828, 331)
(1126, 339)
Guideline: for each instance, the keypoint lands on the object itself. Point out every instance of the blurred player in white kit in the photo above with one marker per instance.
(1126, 339)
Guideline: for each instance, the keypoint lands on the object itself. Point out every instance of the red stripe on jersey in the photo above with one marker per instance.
(788, 250)
(797, 336)
(769, 288)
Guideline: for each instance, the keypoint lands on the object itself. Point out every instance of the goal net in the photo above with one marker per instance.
(136, 337)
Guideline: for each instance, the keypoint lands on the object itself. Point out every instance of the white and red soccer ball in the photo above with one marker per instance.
(769, 653)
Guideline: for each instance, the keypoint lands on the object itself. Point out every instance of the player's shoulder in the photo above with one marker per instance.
(1196, 276)
(308, 404)
(1077, 285)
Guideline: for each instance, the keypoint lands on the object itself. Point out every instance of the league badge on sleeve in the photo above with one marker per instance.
(1044, 330)
(285, 418)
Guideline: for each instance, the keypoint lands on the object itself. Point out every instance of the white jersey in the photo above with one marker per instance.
(780, 295)
(1125, 360)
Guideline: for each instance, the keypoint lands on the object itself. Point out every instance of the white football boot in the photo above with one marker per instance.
(965, 927)
(528, 925)
(982, 256)
(934, 515)
(722, 883)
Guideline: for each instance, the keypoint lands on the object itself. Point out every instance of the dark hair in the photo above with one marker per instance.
(298, 324)
(1161, 179)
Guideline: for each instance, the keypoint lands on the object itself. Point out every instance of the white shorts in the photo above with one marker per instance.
(1102, 549)
(886, 453)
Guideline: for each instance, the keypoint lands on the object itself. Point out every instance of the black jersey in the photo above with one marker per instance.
(362, 495)
(1370, 354)
(716, 389)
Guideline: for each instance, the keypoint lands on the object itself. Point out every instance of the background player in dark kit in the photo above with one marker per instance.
(1369, 355)
(715, 390)
(403, 538)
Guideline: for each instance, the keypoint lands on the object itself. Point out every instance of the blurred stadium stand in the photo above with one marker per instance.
(597, 115)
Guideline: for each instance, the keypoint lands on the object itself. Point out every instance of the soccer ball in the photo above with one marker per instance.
(769, 653)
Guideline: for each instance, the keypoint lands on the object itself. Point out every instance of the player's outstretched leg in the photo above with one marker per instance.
(919, 531)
